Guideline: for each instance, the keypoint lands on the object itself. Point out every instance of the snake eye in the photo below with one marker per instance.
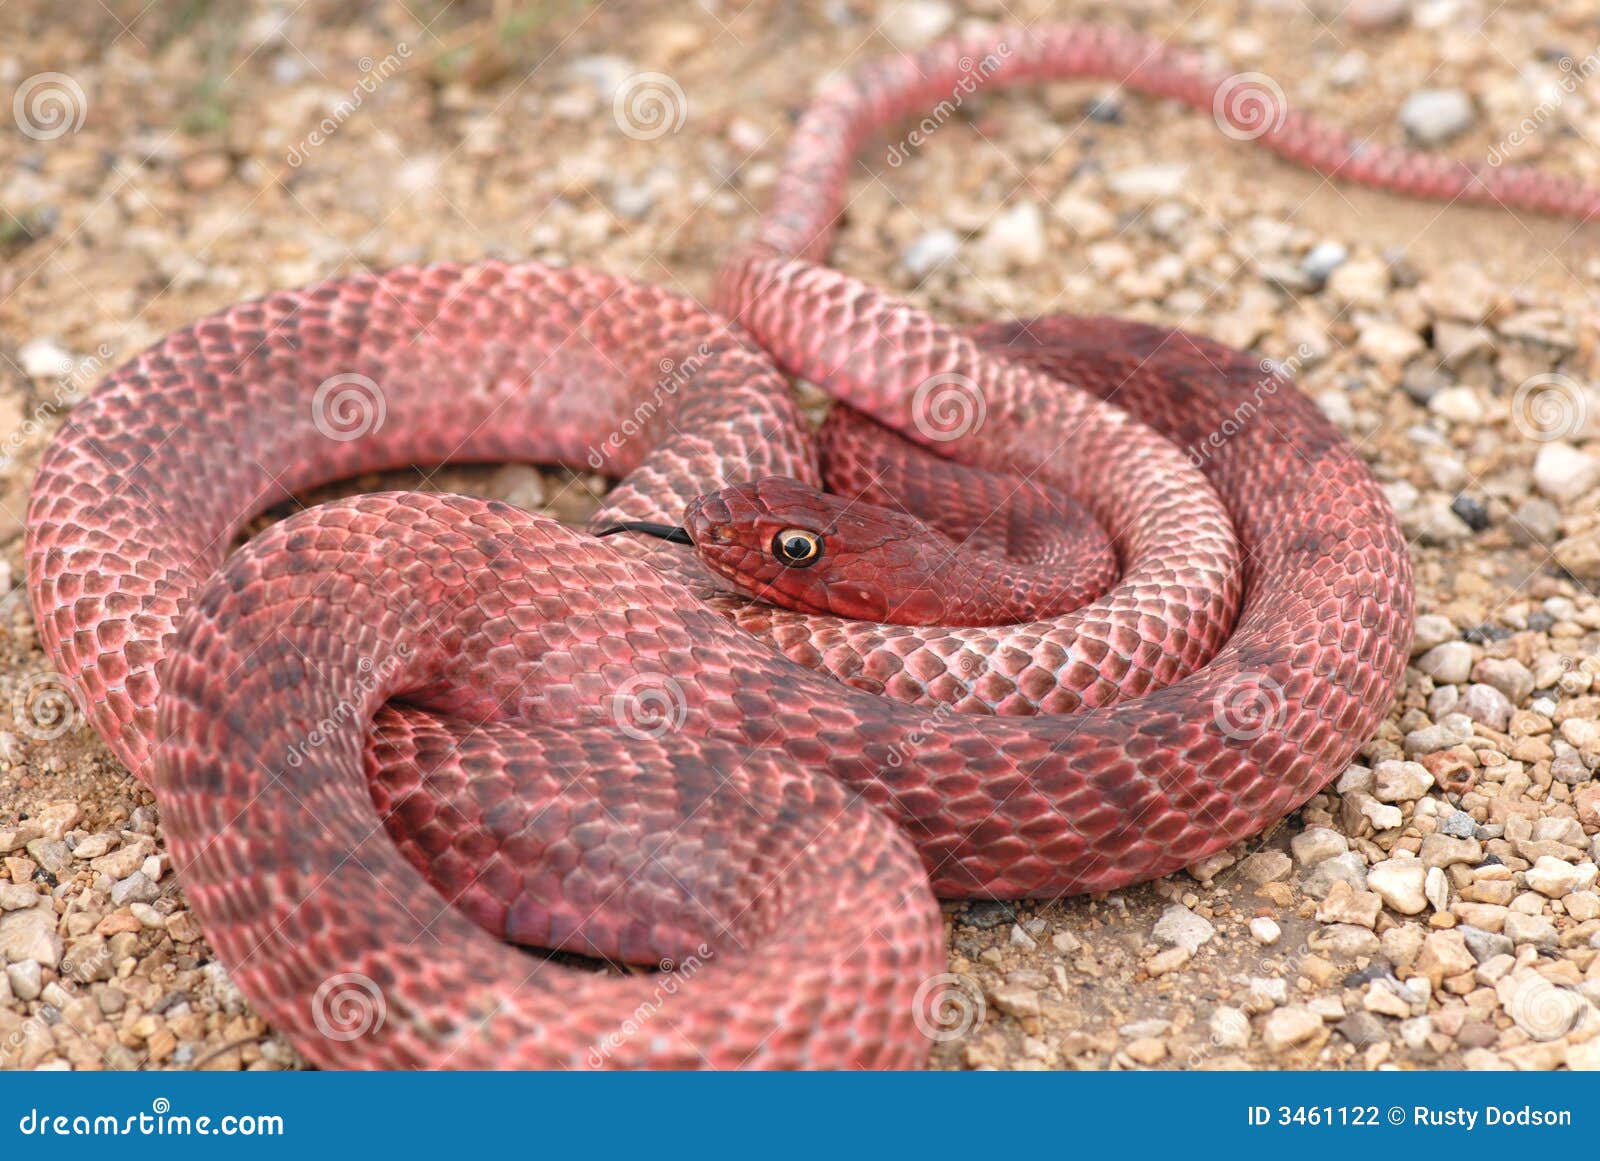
(796, 547)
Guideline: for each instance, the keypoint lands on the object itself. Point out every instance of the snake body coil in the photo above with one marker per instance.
(590, 745)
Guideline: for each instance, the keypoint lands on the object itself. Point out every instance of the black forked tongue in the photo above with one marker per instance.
(663, 531)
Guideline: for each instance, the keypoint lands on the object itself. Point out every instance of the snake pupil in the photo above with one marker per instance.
(796, 547)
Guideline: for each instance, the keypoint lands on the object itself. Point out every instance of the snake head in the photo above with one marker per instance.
(804, 549)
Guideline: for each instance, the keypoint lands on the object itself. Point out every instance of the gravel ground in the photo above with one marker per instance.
(1435, 908)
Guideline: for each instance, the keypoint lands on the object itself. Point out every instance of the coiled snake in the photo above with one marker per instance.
(1102, 663)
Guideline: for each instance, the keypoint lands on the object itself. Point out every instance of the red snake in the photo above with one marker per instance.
(590, 745)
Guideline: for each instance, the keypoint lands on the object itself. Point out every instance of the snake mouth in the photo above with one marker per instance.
(670, 532)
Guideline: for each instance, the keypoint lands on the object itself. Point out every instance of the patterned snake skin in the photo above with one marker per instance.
(591, 745)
